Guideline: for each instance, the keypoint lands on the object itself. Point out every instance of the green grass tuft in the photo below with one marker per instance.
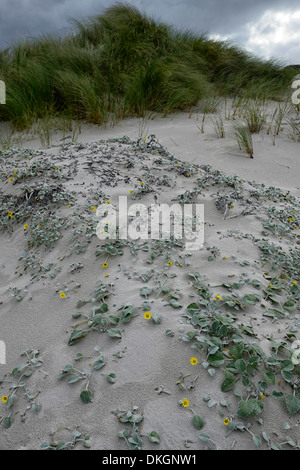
(122, 63)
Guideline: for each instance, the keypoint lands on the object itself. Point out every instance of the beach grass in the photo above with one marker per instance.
(122, 63)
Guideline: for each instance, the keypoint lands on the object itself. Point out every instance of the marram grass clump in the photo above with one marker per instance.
(123, 63)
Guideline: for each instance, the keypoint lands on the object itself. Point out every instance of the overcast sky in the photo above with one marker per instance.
(268, 28)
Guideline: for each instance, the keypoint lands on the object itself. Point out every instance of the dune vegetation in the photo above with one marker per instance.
(122, 63)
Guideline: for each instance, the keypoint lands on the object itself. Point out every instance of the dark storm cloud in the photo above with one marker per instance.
(243, 22)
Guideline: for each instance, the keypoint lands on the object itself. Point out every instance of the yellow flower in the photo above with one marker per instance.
(147, 315)
(107, 202)
(262, 396)
(130, 191)
(170, 263)
(16, 171)
(106, 275)
(93, 208)
(10, 214)
(295, 283)
(180, 265)
(226, 421)
(218, 297)
(25, 226)
(142, 184)
(105, 265)
(10, 179)
(69, 205)
(224, 257)
(296, 228)
(4, 399)
(270, 285)
(62, 295)
(185, 402)
(193, 361)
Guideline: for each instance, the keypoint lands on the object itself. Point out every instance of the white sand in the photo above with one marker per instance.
(150, 357)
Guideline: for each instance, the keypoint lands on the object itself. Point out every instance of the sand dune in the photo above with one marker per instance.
(233, 305)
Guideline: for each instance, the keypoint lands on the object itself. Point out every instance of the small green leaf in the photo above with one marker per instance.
(123, 434)
(276, 447)
(216, 360)
(73, 379)
(81, 303)
(76, 335)
(86, 396)
(245, 408)
(61, 445)
(227, 384)
(156, 317)
(270, 377)
(98, 319)
(289, 304)
(78, 356)
(240, 365)
(11, 401)
(114, 333)
(35, 407)
(104, 307)
(154, 437)
(99, 363)
(145, 291)
(204, 437)
(198, 422)
(113, 319)
(175, 304)
(45, 446)
(111, 378)
(288, 376)
(257, 440)
(7, 422)
(292, 403)
(77, 315)
(277, 394)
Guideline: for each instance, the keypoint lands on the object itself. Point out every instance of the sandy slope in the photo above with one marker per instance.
(148, 355)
